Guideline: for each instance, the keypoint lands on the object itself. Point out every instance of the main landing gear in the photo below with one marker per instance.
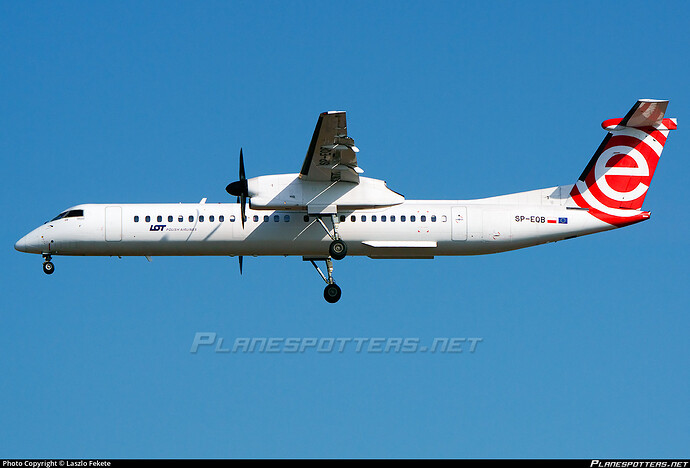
(338, 248)
(48, 267)
(332, 291)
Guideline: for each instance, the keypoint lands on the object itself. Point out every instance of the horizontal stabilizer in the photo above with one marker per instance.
(645, 113)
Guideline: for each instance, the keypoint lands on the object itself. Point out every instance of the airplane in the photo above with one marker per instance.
(329, 210)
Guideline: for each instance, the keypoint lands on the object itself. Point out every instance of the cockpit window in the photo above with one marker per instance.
(69, 214)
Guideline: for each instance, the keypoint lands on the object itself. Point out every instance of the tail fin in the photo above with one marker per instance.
(616, 180)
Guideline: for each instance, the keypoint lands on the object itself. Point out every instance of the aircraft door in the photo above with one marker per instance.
(113, 223)
(459, 223)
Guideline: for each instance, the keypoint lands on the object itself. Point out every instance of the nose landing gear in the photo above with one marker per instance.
(48, 267)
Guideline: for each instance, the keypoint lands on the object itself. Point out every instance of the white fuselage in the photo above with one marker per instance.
(329, 210)
(412, 229)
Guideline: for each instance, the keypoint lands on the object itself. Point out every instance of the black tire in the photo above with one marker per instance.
(332, 293)
(48, 268)
(337, 249)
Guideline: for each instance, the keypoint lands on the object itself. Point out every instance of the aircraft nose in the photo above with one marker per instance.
(20, 245)
(30, 243)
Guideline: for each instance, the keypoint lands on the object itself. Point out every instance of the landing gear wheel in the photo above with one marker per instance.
(332, 293)
(338, 249)
(48, 268)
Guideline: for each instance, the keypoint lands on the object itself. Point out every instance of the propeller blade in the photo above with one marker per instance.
(240, 188)
(243, 202)
(240, 258)
(242, 176)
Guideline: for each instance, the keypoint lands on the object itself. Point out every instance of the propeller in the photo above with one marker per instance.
(240, 190)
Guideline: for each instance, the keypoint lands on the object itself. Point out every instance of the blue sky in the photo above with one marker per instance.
(584, 352)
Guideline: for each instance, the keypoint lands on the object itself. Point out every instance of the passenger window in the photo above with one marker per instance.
(383, 218)
(191, 219)
(170, 219)
(373, 218)
(232, 218)
(306, 218)
(403, 218)
(342, 218)
(159, 218)
(392, 218)
(433, 218)
(444, 219)
(423, 218)
(364, 218)
(221, 218)
(148, 219)
(266, 218)
(180, 219)
(256, 219)
(286, 218)
(353, 218)
(136, 219)
(201, 218)
(276, 218)
(413, 218)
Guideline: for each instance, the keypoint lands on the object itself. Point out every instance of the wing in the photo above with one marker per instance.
(332, 155)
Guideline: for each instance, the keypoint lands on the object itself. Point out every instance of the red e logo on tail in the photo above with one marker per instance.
(602, 171)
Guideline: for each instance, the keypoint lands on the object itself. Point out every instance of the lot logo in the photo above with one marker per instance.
(157, 227)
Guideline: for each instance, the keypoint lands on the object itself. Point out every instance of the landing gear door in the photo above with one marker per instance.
(459, 223)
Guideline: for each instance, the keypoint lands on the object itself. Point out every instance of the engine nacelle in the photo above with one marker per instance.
(290, 192)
